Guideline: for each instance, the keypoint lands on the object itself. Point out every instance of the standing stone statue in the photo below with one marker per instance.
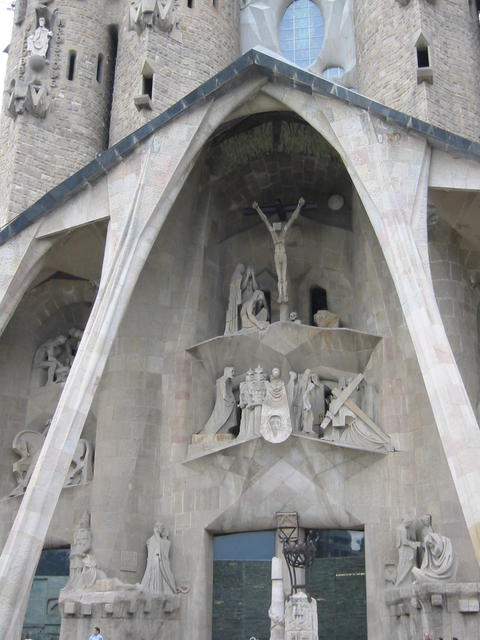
(37, 42)
(252, 394)
(83, 565)
(224, 414)
(313, 409)
(232, 323)
(276, 425)
(158, 577)
(407, 552)
(279, 235)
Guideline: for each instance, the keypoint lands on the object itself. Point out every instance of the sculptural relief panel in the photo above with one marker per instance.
(27, 445)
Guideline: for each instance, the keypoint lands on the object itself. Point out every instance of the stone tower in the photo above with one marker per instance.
(165, 50)
(94, 71)
(421, 57)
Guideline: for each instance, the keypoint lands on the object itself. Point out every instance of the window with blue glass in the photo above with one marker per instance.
(301, 32)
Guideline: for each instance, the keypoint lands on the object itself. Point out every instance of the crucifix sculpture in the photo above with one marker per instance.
(279, 231)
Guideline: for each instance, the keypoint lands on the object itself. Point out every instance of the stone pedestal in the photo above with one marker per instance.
(301, 621)
(445, 609)
(120, 612)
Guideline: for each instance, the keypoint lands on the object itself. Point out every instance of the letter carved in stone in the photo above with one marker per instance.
(160, 15)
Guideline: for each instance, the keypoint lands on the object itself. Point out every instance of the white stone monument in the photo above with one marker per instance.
(276, 612)
(301, 622)
(276, 425)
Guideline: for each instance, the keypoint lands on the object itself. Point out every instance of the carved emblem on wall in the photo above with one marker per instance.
(29, 93)
(159, 15)
(38, 41)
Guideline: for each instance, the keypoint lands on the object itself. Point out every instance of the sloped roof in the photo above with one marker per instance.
(278, 70)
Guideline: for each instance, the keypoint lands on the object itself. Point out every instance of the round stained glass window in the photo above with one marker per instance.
(301, 32)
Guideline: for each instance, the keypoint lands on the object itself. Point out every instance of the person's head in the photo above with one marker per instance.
(27, 636)
(426, 635)
(96, 631)
(275, 373)
(41, 22)
(229, 373)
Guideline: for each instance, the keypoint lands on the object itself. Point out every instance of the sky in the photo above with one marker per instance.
(6, 17)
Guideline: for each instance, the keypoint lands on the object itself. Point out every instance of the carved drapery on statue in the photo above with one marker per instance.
(423, 555)
(83, 565)
(276, 425)
(39, 40)
(224, 414)
(251, 396)
(247, 306)
(158, 577)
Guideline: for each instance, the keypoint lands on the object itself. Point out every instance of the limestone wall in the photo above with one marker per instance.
(38, 153)
(417, 478)
(386, 36)
(458, 302)
(206, 41)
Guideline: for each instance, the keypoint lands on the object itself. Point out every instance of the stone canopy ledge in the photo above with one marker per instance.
(287, 345)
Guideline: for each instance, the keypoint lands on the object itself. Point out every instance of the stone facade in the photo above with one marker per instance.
(141, 261)
(94, 108)
(386, 39)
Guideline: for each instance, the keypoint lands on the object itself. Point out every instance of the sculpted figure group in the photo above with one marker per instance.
(56, 356)
(158, 579)
(423, 555)
(306, 404)
(247, 306)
